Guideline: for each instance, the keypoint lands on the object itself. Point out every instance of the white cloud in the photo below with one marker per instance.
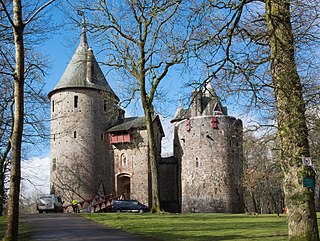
(167, 141)
(35, 174)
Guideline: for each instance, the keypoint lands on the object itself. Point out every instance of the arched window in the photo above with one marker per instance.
(124, 161)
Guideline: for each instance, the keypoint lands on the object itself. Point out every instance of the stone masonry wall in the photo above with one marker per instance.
(78, 145)
(135, 166)
(210, 174)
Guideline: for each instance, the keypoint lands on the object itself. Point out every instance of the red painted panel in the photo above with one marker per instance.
(214, 122)
(188, 125)
(119, 137)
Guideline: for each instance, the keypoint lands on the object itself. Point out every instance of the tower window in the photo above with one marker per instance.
(75, 101)
(54, 164)
(74, 134)
(53, 106)
(101, 136)
(105, 105)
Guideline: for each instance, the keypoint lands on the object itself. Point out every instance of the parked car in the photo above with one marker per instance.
(49, 203)
(129, 206)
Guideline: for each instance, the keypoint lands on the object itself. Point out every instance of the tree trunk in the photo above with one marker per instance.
(148, 112)
(16, 138)
(155, 200)
(2, 193)
(3, 168)
(292, 129)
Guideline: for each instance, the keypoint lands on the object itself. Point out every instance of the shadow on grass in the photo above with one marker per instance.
(181, 237)
(23, 229)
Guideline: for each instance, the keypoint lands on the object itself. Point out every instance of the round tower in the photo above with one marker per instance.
(82, 106)
(208, 147)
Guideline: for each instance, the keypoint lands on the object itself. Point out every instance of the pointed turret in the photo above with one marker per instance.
(83, 71)
(211, 102)
(82, 105)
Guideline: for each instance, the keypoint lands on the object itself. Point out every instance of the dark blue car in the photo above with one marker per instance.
(129, 206)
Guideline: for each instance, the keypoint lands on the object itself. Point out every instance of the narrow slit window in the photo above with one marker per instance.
(74, 134)
(101, 136)
(105, 105)
(75, 101)
(54, 164)
(53, 106)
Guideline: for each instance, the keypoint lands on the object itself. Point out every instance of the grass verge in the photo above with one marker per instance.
(197, 227)
(23, 230)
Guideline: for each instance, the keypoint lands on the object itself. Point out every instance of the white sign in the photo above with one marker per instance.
(307, 161)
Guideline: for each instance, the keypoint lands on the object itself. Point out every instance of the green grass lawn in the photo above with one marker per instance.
(198, 227)
(23, 231)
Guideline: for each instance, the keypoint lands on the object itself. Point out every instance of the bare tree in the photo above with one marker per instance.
(18, 25)
(254, 45)
(143, 40)
(292, 126)
(262, 175)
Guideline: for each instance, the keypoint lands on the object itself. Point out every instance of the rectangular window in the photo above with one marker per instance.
(53, 106)
(101, 136)
(74, 134)
(75, 101)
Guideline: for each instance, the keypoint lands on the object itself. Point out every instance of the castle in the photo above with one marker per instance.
(96, 150)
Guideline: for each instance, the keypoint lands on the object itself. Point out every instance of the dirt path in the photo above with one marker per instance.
(72, 227)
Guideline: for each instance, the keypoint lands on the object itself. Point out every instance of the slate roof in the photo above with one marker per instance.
(181, 114)
(76, 73)
(129, 123)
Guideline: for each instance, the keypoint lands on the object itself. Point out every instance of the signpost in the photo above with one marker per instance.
(306, 161)
(307, 182)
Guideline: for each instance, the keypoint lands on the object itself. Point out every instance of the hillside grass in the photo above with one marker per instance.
(197, 227)
(23, 230)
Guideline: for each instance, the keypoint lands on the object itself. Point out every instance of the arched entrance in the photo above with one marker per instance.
(123, 184)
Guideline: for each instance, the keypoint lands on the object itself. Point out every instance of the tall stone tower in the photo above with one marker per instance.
(82, 107)
(208, 147)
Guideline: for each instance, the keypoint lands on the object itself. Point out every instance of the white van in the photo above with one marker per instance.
(49, 203)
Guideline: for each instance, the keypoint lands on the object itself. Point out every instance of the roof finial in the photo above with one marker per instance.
(179, 100)
(83, 39)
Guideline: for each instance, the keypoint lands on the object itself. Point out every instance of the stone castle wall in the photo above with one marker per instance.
(131, 160)
(210, 167)
(78, 145)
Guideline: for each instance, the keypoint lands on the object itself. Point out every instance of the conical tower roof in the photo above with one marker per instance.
(83, 71)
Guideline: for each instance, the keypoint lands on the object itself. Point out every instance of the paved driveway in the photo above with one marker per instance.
(72, 227)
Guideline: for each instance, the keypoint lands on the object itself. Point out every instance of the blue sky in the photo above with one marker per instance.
(60, 48)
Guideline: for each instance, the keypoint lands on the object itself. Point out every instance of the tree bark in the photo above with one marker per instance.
(16, 138)
(292, 128)
(148, 112)
(155, 199)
